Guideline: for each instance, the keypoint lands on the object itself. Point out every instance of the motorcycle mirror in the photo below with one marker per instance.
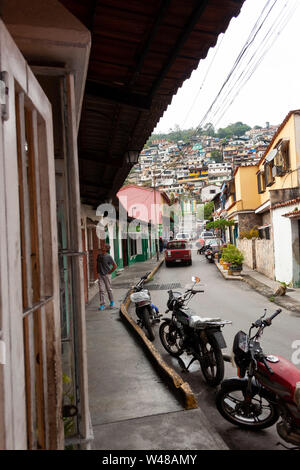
(195, 279)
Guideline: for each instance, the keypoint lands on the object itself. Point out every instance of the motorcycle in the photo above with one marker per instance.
(209, 254)
(197, 336)
(201, 249)
(267, 387)
(147, 313)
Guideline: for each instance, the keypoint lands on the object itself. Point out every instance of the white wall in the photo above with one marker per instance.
(283, 251)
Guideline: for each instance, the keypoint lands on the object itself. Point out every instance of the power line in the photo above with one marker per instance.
(253, 34)
(268, 41)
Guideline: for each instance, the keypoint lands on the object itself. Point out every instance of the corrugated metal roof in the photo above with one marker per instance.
(142, 52)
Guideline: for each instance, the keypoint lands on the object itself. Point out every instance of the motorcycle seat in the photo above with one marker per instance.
(210, 320)
(207, 319)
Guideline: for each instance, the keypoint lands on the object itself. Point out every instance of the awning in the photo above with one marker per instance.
(264, 207)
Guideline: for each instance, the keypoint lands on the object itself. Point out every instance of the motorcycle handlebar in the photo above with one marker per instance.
(268, 321)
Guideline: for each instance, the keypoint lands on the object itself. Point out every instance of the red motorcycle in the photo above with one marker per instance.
(267, 388)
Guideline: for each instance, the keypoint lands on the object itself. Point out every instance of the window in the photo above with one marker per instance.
(269, 175)
(264, 232)
(261, 184)
(282, 160)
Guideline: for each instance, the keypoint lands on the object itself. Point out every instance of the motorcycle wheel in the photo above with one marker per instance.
(170, 339)
(147, 324)
(212, 362)
(258, 414)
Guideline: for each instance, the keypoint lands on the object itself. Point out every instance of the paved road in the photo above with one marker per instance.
(235, 301)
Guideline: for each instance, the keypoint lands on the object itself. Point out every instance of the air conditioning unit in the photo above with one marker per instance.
(277, 170)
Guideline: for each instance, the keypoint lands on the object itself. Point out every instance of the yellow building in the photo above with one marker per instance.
(242, 200)
(278, 189)
(278, 168)
(266, 196)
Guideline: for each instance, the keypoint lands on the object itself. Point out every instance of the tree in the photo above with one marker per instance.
(220, 224)
(209, 130)
(217, 156)
(208, 210)
(232, 130)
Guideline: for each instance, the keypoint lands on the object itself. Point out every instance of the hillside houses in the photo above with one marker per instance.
(187, 167)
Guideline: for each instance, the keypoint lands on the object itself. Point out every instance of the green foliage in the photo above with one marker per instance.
(208, 210)
(236, 129)
(176, 134)
(68, 398)
(216, 156)
(231, 254)
(219, 224)
(253, 233)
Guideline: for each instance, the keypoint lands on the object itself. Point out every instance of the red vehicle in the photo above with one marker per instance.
(178, 251)
(267, 388)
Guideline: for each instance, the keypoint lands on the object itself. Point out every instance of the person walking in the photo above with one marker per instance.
(105, 267)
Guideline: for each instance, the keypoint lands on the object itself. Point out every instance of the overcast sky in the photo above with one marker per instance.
(272, 90)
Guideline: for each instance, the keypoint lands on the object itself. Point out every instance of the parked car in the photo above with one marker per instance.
(206, 234)
(178, 251)
(203, 237)
(183, 236)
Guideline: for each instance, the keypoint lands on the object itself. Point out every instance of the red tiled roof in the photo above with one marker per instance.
(286, 203)
(292, 214)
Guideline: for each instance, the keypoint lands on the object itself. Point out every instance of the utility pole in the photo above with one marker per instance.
(155, 218)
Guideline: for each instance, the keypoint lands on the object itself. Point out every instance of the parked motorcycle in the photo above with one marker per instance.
(267, 387)
(147, 313)
(209, 254)
(201, 249)
(199, 337)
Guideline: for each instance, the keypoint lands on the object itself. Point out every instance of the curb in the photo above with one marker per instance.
(227, 276)
(180, 385)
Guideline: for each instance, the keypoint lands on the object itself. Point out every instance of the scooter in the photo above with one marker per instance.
(147, 313)
(267, 387)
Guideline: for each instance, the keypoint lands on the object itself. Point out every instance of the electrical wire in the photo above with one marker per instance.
(253, 34)
(268, 41)
(204, 79)
(221, 103)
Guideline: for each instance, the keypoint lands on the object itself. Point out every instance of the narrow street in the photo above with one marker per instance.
(235, 301)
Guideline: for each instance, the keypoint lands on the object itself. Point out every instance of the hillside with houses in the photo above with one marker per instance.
(198, 166)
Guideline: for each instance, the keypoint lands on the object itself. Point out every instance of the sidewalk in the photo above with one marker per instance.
(132, 405)
(267, 287)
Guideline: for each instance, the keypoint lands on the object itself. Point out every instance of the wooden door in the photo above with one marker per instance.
(30, 325)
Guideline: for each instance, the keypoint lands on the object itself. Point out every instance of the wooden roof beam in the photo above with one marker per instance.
(118, 95)
(188, 28)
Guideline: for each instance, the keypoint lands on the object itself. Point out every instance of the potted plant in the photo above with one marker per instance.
(234, 258)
